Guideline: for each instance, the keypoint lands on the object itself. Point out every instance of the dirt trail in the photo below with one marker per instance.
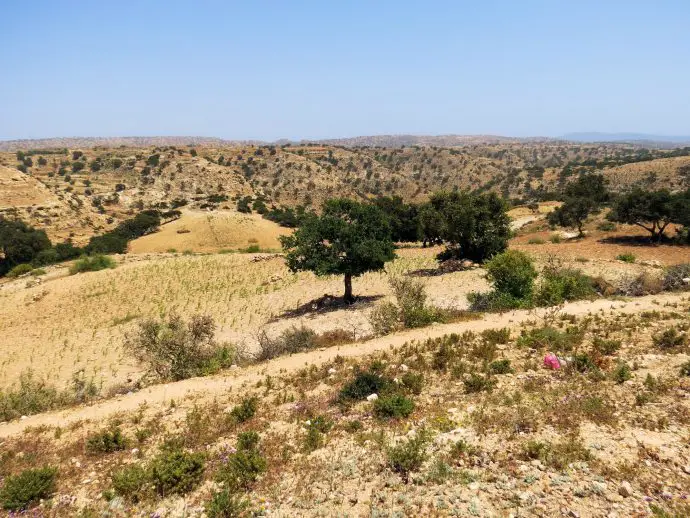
(159, 396)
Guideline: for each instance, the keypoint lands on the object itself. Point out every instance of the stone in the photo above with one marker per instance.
(372, 397)
(625, 489)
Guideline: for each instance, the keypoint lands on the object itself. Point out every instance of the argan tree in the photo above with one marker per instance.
(651, 210)
(348, 238)
(475, 226)
(581, 198)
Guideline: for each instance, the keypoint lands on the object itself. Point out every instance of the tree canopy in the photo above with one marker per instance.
(476, 226)
(19, 243)
(581, 198)
(651, 210)
(348, 238)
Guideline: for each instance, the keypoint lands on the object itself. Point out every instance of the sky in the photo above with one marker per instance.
(326, 69)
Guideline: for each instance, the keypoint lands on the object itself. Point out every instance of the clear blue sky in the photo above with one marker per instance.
(308, 69)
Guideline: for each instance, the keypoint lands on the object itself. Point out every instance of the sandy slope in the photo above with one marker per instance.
(159, 396)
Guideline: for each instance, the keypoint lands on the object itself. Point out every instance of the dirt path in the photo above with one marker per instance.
(159, 396)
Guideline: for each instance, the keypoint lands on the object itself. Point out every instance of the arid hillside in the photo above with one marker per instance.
(96, 187)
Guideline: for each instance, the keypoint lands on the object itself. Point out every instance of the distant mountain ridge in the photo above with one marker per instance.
(387, 141)
(624, 137)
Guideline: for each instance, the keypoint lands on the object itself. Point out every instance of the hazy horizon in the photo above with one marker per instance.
(312, 71)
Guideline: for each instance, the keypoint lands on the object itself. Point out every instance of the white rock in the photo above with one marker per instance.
(372, 397)
(625, 489)
(404, 367)
(332, 371)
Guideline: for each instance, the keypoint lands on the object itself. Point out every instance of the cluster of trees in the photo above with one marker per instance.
(351, 238)
(652, 210)
(23, 244)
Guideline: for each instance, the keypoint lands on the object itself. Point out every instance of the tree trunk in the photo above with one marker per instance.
(348, 289)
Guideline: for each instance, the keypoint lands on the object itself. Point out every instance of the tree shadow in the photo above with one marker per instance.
(427, 272)
(636, 241)
(327, 304)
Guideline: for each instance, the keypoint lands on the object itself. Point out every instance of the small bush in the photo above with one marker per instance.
(670, 339)
(674, 276)
(561, 285)
(555, 238)
(536, 241)
(20, 491)
(92, 264)
(317, 428)
(394, 406)
(175, 471)
(685, 369)
(512, 272)
(107, 441)
(493, 301)
(412, 382)
(226, 504)
(385, 318)
(622, 373)
(20, 269)
(607, 226)
(129, 482)
(582, 362)
(175, 349)
(643, 284)
(626, 258)
(606, 347)
(476, 383)
(245, 410)
(363, 385)
(242, 468)
(408, 455)
(290, 341)
(500, 367)
(496, 336)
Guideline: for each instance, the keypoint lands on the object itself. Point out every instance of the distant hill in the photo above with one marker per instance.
(114, 142)
(394, 141)
(625, 137)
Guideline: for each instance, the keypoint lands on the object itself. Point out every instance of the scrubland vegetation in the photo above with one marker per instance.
(479, 360)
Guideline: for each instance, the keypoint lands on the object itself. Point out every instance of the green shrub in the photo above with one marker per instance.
(242, 468)
(129, 482)
(493, 301)
(408, 455)
(606, 347)
(536, 241)
(176, 350)
(395, 406)
(363, 385)
(20, 269)
(626, 258)
(411, 298)
(174, 471)
(92, 264)
(607, 226)
(512, 272)
(226, 504)
(412, 382)
(107, 441)
(31, 397)
(561, 285)
(245, 410)
(20, 491)
(622, 373)
(685, 369)
(670, 339)
(496, 336)
(555, 238)
(674, 275)
(582, 362)
(500, 367)
(476, 383)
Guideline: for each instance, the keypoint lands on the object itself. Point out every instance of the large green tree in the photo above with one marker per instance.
(475, 225)
(581, 198)
(348, 238)
(19, 243)
(651, 210)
